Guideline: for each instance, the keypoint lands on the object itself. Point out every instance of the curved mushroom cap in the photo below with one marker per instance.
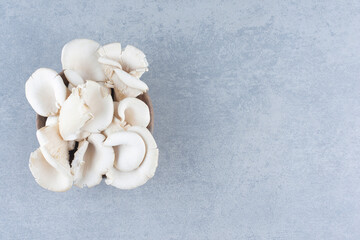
(49, 138)
(108, 66)
(100, 102)
(54, 120)
(81, 56)
(115, 126)
(135, 170)
(48, 173)
(134, 61)
(73, 116)
(129, 150)
(111, 51)
(45, 91)
(134, 112)
(126, 85)
(50, 163)
(91, 161)
(74, 78)
(89, 109)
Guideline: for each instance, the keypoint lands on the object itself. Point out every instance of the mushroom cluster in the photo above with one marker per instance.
(94, 110)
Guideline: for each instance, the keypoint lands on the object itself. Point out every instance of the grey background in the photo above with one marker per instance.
(257, 117)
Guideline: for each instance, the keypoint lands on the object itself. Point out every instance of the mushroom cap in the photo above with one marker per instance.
(45, 91)
(51, 120)
(91, 161)
(126, 85)
(112, 51)
(129, 150)
(48, 172)
(50, 163)
(134, 112)
(108, 66)
(81, 56)
(147, 167)
(89, 109)
(50, 139)
(100, 102)
(73, 116)
(115, 126)
(74, 78)
(134, 61)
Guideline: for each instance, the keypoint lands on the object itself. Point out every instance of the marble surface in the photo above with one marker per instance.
(257, 117)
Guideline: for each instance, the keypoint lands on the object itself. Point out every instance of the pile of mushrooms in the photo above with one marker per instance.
(97, 115)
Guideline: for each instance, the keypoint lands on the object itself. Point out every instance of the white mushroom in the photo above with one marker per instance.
(123, 69)
(136, 158)
(115, 126)
(111, 51)
(74, 79)
(81, 56)
(134, 61)
(48, 172)
(49, 138)
(50, 163)
(51, 120)
(133, 111)
(73, 116)
(100, 102)
(89, 109)
(126, 85)
(45, 91)
(91, 161)
(108, 66)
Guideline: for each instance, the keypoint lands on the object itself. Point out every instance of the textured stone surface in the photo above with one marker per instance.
(257, 117)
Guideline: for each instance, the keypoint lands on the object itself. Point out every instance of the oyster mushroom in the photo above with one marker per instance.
(134, 61)
(91, 161)
(74, 78)
(126, 85)
(111, 51)
(123, 69)
(108, 68)
(49, 138)
(136, 158)
(81, 56)
(45, 91)
(115, 126)
(48, 172)
(73, 116)
(134, 112)
(89, 109)
(51, 120)
(50, 163)
(100, 102)
(54, 120)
